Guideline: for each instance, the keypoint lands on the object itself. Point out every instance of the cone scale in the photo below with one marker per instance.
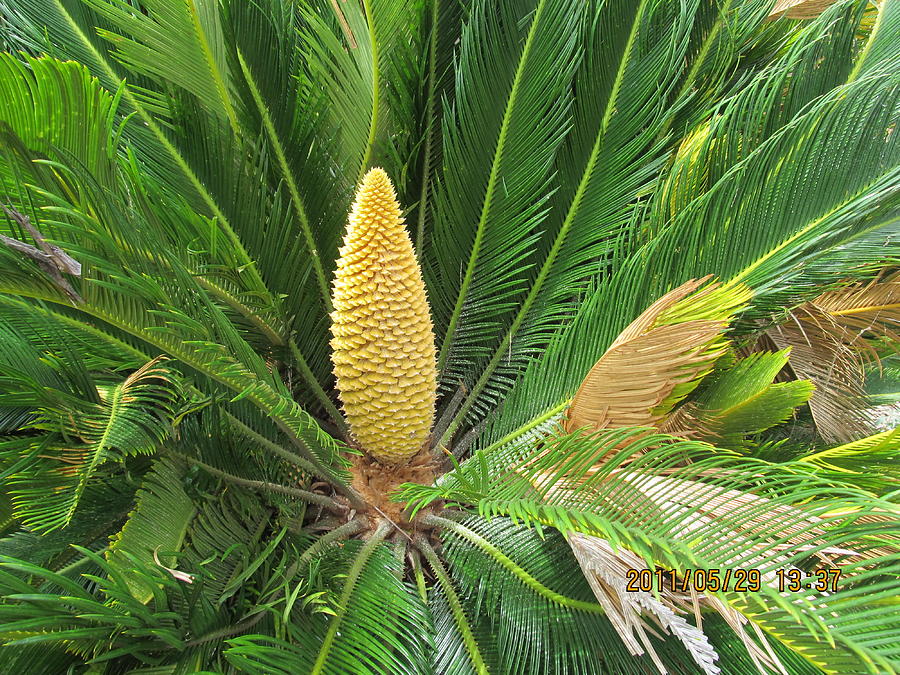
(383, 343)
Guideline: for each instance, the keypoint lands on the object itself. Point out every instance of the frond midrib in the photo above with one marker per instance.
(489, 192)
(560, 237)
(180, 161)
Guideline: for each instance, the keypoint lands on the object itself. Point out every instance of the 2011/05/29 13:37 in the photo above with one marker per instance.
(738, 580)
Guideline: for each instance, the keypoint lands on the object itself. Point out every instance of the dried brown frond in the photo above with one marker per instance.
(606, 571)
(831, 345)
(799, 9)
(872, 307)
(647, 362)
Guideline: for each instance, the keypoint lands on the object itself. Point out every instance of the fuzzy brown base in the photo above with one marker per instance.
(375, 483)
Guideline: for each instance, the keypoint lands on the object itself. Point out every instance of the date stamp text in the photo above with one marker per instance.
(737, 580)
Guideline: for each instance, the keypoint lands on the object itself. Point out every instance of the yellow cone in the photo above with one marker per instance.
(383, 344)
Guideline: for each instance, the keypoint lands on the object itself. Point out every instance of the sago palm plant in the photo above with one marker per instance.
(448, 336)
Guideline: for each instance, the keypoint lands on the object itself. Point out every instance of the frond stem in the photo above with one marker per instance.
(419, 574)
(227, 631)
(344, 531)
(297, 460)
(863, 310)
(317, 389)
(710, 40)
(488, 195)
(271, 446)
(863, 55)
(752, 267)
(213, 68)
(271, 334)
(528, 426)
(79, 325)
(511, 566)
(305, 495)
(455, 605)
(353, 575)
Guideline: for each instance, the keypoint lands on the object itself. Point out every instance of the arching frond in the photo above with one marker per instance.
(382, 625)
(162, 514)
(127, 417)
(491, 205)
(717, 513)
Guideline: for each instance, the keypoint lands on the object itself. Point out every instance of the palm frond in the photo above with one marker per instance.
(739, 400)
(522, 595)
(156, 527)
(609, 159)
(150, 304)
(491, 206)
(442, 26)
(720, 512)
(775, 235)
(834, 338)
(876, 453)
(31, 90)
(81, 619)
(878, 54)
(677, 339)
(381, 627)
(177, 43)
(129, 417)
(105, 505)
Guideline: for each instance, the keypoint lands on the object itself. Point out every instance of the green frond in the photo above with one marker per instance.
(381, 621)
(491, 205)
(221, 543)
(85, 424)
(742, 399)
(716, 512)
(609, 158)
(879, 52)
(177, 43)
(82, 619)
(873, 454)
(157, 526)
(32, 89)
(527, 631)
(768, 236)
(104, 507)
(441, 29)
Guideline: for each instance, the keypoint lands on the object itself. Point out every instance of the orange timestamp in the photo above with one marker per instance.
(738, 580)
(796, 580)
(700, 580)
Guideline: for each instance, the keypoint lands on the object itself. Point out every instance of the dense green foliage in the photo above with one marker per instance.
(176, 484)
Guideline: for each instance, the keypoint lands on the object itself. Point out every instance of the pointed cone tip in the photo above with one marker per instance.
(376, 175)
